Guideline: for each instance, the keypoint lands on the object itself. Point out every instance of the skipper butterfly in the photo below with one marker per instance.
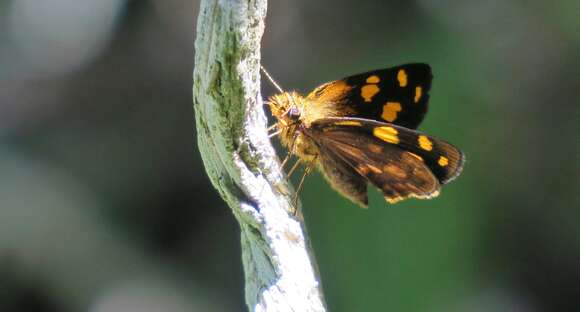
(361, 129)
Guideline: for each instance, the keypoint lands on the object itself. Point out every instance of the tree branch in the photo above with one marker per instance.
(280, 271)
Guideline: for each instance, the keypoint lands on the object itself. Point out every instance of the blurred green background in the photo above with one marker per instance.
(105, 205)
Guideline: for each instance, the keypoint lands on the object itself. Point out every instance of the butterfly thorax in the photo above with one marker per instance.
(294, 114)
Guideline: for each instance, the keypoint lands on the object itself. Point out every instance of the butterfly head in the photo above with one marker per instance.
(286, 107)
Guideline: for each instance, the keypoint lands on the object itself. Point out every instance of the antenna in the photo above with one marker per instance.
(271, 79)
(290, 98)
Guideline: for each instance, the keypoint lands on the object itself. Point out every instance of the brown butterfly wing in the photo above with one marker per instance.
(343, 178)
(443, 159)
(397, 95)
(396, 172)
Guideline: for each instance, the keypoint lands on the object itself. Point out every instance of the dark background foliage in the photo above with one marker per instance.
(105, 205)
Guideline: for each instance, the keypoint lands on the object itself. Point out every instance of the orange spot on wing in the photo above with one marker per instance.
(425, 143)
(348, 123)
(331, 91)
(415, 155)
(443, 161)
(353, 151)
(374, 169)
(395, 170)
(377, 149)
(418, 93)
(387, 134)
(402, 78)
(373, 79)
(368, 91)
(363, 169)
(390, 111)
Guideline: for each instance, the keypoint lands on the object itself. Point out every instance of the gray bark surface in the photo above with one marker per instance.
(280, 271)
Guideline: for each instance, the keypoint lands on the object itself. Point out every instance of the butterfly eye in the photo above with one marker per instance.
(294, 113)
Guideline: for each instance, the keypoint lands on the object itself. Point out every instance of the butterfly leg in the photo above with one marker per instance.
(285, 161)
(273, 134)
(291, 171)
(307, 171)
(287, 158)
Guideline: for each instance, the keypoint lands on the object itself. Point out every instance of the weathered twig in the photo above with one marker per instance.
(279, 268)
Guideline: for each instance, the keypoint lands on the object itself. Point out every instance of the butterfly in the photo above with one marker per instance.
(361, 130)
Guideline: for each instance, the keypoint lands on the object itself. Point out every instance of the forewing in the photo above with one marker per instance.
(396, 172)
(397, 95)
